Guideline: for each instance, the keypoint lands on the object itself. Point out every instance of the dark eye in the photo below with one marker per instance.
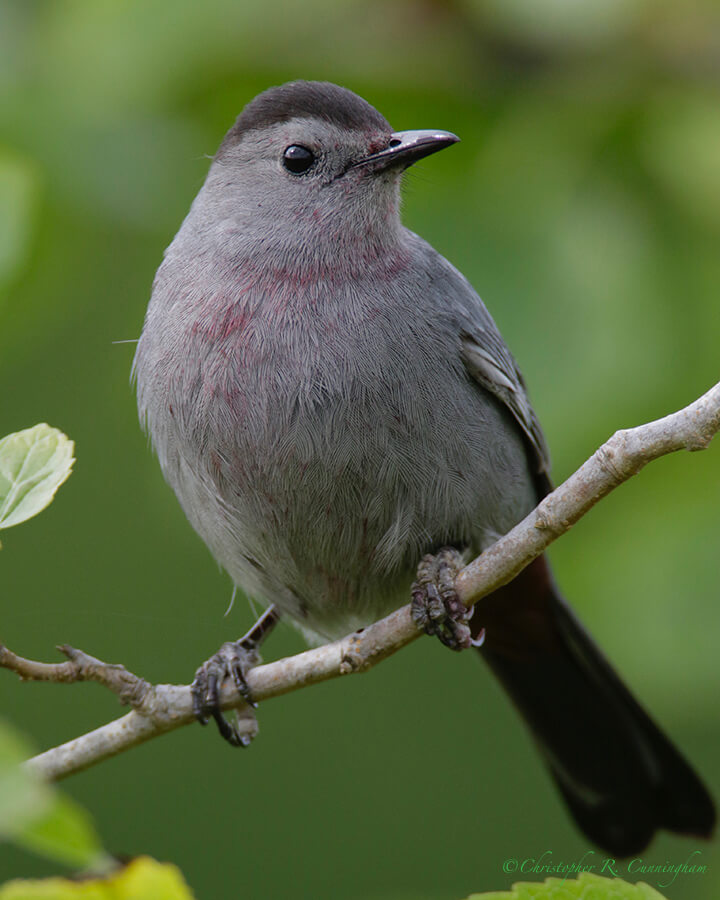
(297, 159)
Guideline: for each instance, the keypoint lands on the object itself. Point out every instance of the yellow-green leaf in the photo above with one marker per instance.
(66, 833)
(585, 887)
(142, 879)
(23, 798)
(33, 465)
(40, 818)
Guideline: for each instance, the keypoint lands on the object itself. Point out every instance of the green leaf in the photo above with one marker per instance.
(33, 465)
(23, 798)
(586, 887)
(39, 818)
(65, 833)
(141, 879)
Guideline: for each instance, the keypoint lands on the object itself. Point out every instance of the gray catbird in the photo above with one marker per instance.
(331, 401)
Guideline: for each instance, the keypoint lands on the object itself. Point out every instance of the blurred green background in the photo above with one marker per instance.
(583, 203)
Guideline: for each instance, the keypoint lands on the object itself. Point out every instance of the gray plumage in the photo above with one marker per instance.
(328, 396)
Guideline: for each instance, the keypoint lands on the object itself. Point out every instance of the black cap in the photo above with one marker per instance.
(307, 99)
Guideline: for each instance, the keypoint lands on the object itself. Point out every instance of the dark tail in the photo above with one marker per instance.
(620, 776)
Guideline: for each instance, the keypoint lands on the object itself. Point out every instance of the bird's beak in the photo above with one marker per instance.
(407, 147)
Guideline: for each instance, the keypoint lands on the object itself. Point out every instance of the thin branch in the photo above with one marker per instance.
(622, 456)
(158, 709)
(79, 667)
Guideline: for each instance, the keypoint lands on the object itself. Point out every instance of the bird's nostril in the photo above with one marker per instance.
(394, 142)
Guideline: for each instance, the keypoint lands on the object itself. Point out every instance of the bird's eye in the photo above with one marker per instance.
(298, 159)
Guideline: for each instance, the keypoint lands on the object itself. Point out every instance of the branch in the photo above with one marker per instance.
(158, 709)
(622, 456)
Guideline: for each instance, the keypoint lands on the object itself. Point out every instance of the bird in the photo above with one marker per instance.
(343, 423)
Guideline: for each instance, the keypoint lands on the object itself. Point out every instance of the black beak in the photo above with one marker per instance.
(407, 147)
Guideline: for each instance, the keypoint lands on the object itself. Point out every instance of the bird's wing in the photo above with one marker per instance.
(484, 353)
(489, 362)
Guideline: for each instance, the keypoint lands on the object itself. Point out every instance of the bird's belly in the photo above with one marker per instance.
(325, 505)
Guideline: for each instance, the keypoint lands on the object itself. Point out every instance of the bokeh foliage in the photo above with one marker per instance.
(583, 203)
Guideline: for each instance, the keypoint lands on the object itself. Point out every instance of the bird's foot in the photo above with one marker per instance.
(436, 607)
(233, 660)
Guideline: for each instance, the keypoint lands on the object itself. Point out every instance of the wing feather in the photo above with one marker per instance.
(490, 363)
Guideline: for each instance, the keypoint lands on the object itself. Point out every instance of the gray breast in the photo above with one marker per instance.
(323, 437)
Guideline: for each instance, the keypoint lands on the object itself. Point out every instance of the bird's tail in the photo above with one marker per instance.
(620, 776)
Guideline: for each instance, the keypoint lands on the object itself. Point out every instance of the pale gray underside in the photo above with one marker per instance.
(321, 438)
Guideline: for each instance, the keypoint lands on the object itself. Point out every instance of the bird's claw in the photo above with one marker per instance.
(436, 607)
(233, 660)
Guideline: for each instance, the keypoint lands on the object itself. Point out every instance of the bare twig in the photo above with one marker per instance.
(162, 708)
(619, 458)
(79, 667)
